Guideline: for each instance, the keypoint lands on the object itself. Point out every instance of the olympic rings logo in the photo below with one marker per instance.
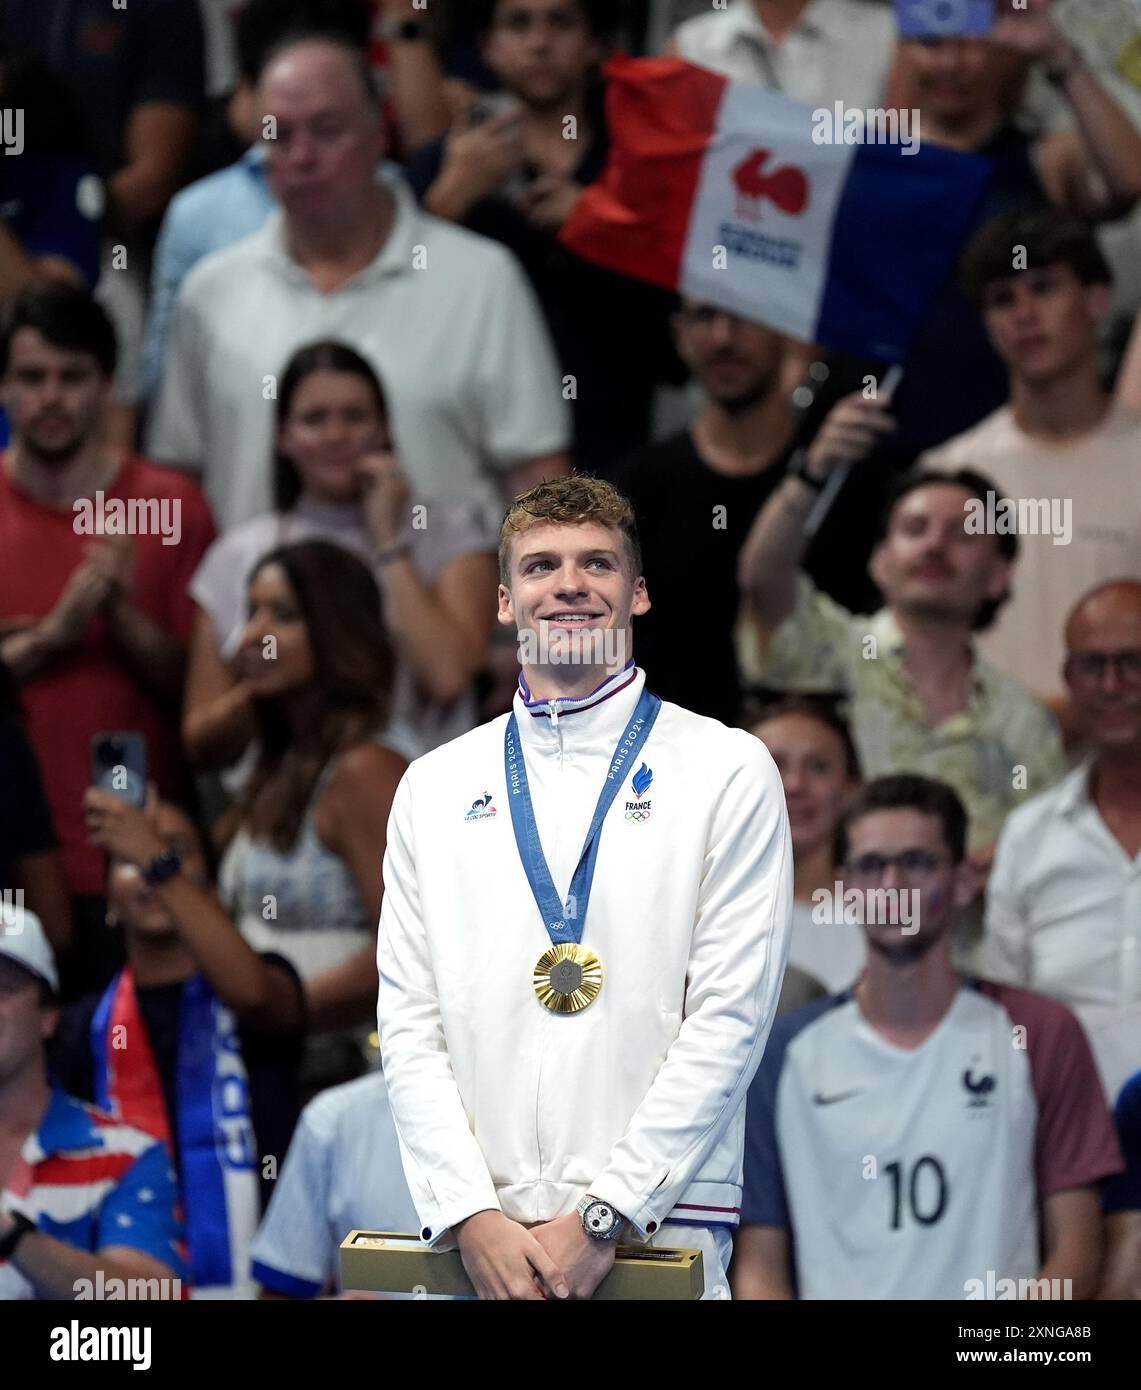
(637, 815)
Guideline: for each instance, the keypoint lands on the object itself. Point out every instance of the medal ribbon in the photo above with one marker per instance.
(561, 924)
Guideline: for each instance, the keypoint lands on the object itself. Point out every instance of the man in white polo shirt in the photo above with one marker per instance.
(1064, 900)
(586, 918)
(445, 316)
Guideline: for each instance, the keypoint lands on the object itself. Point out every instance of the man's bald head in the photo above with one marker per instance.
(323, 132)
(1103, 668)
(318, 60)
(1113, 606)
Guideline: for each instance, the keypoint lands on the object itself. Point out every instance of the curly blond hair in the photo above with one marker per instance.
(569, 501)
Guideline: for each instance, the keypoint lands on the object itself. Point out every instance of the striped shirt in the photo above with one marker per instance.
(93, 1182)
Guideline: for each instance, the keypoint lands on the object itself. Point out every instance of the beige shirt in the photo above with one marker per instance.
(838, 50)
(997, 753)
(1097, 480)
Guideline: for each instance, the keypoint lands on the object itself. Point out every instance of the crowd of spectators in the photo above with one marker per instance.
(287, 324)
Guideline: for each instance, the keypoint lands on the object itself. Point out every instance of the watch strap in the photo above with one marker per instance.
(798, 469)
(21, 1225)
(162, 867)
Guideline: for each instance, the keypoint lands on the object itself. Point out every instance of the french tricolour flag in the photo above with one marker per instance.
(719, 189)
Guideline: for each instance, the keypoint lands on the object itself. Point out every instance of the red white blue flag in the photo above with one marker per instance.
(760, 205)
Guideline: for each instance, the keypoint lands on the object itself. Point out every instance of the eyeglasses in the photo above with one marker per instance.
(1089, 668)
(911, 863)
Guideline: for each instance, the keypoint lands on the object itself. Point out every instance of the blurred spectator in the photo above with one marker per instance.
(301, 874)
(51, 201)
(967, 93)
(922, 699)
(215, 211)
(981, 1159)
(447, 318)
(343, 1173)
(137, 73)
(511, 171)
(813, 50)
(29, 852)
(337, 480)
(96, 551)
(706, 484)
(214, 1034)
(1062, 442)
(1121, 1200)
(813, 749)
(58, 1227)
(1064, 903)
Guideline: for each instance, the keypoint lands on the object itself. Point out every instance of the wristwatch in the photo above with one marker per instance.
(403, 31)
(1059, 73)
(162, 867)
(798, 469)
(599, 1219)
(21, 1225)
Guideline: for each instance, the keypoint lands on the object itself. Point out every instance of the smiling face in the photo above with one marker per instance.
(929, 565)
(1106, 693)
(333, 420)
(275, 654)
(573, 590)
(958, 80)
(813, 766)
(1044, 322)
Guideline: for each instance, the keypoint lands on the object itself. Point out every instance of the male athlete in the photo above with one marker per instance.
(586, 917)
(922, 1135)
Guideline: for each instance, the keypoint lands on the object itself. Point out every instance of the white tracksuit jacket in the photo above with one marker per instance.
(640, 1097)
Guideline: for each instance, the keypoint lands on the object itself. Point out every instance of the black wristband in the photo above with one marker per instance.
(1058, 74)
(162, 867)
(403, 31)
(798, 468)
(20, 1228)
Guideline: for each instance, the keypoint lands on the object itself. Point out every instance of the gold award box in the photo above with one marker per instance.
(394, 1262)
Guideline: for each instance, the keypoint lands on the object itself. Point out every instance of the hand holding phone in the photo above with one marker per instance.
(119, 765)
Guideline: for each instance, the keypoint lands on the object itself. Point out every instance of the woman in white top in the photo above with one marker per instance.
(301, 871)
(813, 749)
(337, 480)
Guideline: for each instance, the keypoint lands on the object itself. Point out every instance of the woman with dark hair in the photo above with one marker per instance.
(337, 480)
(813, 749)
(301, 872)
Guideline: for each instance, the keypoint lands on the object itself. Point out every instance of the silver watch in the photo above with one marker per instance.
(599, 1219)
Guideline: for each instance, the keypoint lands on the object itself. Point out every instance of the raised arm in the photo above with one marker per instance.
(770, 559)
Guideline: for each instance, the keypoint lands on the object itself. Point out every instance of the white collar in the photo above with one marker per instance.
(394, 257)
(598, 717)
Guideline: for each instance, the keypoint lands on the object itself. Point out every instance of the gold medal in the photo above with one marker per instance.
(567, 978)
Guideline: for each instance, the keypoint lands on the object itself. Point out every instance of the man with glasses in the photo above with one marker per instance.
(921, 1136)
(1064, 905)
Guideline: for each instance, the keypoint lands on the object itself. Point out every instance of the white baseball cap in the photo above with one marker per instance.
(23, 939)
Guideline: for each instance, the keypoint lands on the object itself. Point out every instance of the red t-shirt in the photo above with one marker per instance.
(91, 689)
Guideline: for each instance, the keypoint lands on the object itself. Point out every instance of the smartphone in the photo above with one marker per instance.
(943, 19)
(119, 765)
(489, 105)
